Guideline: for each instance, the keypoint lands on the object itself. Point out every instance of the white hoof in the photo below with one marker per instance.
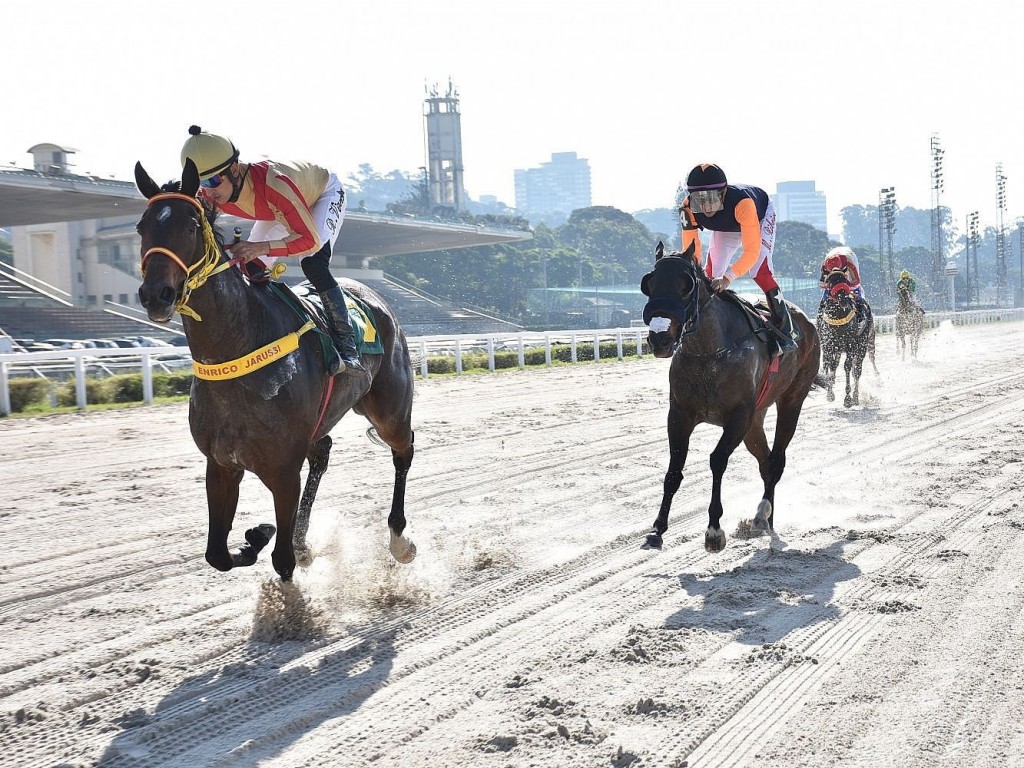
(764, 511)
(304, 556)
(402, 549)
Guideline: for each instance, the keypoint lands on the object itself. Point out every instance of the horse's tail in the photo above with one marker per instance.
(372, 435)
(820, 382)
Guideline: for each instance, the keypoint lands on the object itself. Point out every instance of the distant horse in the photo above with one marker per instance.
(277, 415)
(909, 323)
(842, 334)
(722, 373)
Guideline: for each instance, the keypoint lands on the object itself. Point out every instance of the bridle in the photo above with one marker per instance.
(196, 274)
(684, 309)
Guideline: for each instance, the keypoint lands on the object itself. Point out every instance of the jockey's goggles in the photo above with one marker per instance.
(707, 201)
(214, 181)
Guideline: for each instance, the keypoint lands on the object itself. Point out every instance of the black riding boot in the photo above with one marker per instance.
(788, 335)
(337, 313)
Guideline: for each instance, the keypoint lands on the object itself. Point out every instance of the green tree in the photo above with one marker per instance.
(374, 190)
(799, 249)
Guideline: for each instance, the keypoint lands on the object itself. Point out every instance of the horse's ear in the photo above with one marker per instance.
(146, 185)
(659, 250)
(189, 178)
(689, 249)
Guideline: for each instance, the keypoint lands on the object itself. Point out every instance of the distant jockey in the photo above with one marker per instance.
(844, 259)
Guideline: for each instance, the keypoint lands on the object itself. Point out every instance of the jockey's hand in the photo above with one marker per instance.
(247, 251)
(719, 284)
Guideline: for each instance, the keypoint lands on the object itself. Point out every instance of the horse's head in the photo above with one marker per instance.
(838, 288)
(672, 288)
(176, 241)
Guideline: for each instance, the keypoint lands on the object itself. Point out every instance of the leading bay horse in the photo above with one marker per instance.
(276, 416)
(909, 322)
(843, 334)
(722, 373)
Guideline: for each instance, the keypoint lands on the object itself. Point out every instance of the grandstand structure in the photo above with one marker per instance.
(75, 257)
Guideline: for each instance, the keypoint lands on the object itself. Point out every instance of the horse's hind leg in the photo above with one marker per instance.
(787, 416)
(388, 407)
(680, 427)
(401, 546)
(318, 455)
(736, 427)
(757, 444)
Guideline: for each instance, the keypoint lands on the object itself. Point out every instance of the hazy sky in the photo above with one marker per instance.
(845, 93)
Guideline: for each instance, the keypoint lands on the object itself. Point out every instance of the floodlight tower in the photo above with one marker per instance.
(971, 262)
(1001, 239)
(938, 263)
(1020, 249)
(886, 230)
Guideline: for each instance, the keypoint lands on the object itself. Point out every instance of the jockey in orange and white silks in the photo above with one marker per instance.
(737, 215)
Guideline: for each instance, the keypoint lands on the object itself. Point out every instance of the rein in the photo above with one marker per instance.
(208, 266)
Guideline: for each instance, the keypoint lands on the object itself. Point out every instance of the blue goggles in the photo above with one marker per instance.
(214, 181)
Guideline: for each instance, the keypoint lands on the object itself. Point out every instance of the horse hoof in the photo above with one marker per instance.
(653, 541)
(830, 396)
(304, 557)
(848, 402)
(260, 536)
(760, 522)
(402, 549)
(714, 541)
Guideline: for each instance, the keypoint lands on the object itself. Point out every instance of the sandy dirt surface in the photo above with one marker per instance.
(881, 626)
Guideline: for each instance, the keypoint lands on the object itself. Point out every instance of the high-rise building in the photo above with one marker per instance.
(800, 201)
(559, 186)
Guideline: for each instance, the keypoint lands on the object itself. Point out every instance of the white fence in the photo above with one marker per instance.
(81, 363)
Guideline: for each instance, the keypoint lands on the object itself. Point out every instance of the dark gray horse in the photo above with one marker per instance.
(262, 399)
(723, 372)
(844, 335)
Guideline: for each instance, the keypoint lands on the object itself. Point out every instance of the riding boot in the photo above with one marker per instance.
(788, 334)
(337, 313)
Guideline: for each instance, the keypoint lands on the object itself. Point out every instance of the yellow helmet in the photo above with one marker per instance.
(211, 153)
(904, 274)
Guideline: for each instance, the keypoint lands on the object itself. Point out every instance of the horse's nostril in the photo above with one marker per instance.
(167, 295)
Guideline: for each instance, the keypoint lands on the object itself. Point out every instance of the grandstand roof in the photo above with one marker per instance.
(32, 197)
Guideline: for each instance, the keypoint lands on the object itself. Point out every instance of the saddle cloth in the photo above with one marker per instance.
(305, 301)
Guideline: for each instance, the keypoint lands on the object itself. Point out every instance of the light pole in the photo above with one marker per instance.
(971, 263)
(886, 226)
(938, 263)
(1000, 235)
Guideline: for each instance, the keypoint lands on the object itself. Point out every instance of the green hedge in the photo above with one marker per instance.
(26, 393)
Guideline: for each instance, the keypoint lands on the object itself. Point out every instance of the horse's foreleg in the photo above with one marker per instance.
(680, 427)
(318, 457)
(847, 366)
(285, 485)
(736, 426)
(401, 546)
(221, 501)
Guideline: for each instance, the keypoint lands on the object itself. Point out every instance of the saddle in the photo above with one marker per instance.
(758, 316)
(305, 302)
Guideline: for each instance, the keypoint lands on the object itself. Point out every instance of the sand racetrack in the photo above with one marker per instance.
(881, 626)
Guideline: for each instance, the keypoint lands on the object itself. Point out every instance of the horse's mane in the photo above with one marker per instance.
(211, 212)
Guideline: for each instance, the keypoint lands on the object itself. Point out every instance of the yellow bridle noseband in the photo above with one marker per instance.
(204, 269)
